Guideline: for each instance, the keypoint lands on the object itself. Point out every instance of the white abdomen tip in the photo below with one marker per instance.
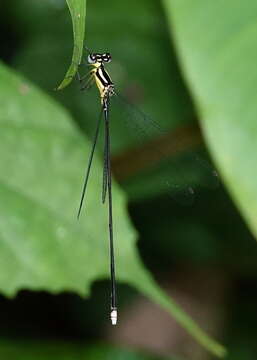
(114, 317)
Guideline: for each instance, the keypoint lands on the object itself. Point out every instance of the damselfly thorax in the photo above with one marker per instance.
(100, 76)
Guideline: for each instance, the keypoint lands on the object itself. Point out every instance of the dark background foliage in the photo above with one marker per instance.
(197, 247)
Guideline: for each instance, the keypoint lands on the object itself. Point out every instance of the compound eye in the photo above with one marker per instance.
(107, 57)
(91, 59)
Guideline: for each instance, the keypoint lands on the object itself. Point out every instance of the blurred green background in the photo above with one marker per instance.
(190, 234)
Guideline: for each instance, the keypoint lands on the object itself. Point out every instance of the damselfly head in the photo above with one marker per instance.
(94, 58)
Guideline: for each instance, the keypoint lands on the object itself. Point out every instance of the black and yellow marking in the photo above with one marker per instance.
(100, 75)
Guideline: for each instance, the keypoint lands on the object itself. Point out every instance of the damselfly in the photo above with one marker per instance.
(99, 76)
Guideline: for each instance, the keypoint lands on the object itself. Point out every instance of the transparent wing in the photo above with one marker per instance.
(88, 168)
(168, 157)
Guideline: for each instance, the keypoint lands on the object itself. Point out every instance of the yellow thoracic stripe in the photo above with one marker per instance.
(102, 79)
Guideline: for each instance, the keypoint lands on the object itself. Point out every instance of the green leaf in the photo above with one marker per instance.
(18, 350)
(216, 42)
(78, 15)
(42, 245)
(43, 158)
(113, 352)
